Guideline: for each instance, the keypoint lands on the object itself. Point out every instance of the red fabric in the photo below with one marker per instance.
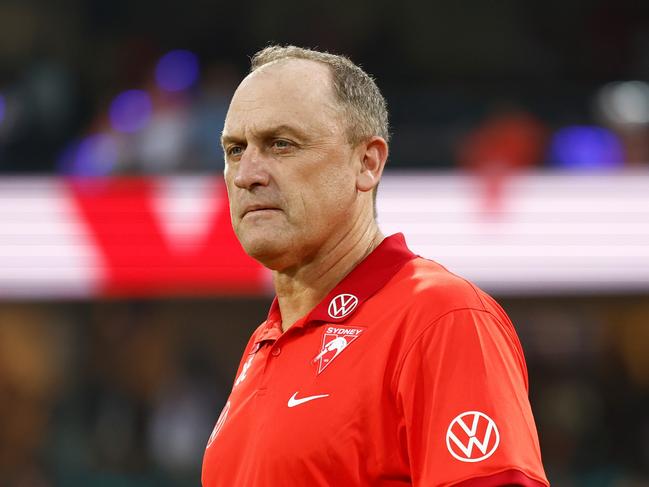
(509, 477)
(372, 397)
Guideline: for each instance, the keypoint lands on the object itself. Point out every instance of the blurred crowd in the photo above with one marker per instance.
(122, 393)
(126, 393)
(106, 88)
(589, 375)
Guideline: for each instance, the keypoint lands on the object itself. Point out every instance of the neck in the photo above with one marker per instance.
(301, 288)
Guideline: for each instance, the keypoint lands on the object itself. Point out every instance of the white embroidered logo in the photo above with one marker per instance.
(294, 401)
(244, 371)
(462, 438)
(342, 305)
(335, 339)
(336, 345)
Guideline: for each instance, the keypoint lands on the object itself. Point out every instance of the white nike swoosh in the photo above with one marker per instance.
(293, 401)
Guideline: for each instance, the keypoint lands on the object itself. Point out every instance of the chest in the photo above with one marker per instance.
(304, 387)
(319, 398)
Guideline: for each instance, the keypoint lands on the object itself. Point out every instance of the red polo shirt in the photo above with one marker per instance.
(405, 374)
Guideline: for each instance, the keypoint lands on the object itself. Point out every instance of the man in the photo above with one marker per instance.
(374, 366)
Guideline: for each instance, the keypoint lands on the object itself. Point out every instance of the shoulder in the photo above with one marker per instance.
(445, 317)
(424, 294)
(427, 285)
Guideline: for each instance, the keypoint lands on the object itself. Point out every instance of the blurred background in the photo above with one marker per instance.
(520, 160)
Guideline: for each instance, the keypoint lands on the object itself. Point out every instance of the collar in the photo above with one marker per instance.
(365, 280)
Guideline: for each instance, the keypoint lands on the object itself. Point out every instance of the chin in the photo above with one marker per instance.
(268, 249)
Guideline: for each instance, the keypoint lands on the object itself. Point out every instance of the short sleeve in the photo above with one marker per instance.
(462, 390)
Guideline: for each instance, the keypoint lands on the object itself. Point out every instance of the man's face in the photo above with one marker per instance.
(289, 168)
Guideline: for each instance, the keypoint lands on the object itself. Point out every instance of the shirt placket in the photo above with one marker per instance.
(274, 359)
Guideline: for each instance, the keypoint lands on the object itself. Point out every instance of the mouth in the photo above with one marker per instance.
(258, 210)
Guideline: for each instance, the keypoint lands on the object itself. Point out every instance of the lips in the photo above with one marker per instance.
(257, 207)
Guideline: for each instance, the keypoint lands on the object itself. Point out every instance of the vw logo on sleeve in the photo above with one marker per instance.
(472, 437)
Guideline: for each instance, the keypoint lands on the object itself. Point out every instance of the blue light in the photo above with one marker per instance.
(177, 70)
(95, 155)
(130, 111)
(3, 106)
(586, 147)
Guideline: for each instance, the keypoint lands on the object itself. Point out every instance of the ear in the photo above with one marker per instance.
(373, 155)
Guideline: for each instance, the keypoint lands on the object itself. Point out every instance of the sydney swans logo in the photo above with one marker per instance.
(470, 430)
(335, 339)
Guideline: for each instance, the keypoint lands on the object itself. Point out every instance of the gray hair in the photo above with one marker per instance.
(363, 104)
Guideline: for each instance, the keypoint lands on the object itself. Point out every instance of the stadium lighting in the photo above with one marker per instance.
(3, 106)
(177, 70)
(130, 111)
(586, 147)
(625, 102)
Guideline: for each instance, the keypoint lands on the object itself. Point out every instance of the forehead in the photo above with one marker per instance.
(285, 93)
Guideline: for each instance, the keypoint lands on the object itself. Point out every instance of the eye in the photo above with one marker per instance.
(234, 151)
(281, 144)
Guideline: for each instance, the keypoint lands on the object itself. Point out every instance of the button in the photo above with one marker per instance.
(276, 351)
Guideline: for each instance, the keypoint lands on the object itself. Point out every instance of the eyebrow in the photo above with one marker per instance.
(267, 133)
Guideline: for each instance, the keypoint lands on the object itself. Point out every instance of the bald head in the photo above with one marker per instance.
(297, 92)
(354, 90)
(294, 180)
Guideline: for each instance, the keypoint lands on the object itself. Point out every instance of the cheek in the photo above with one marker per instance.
(322, 189)
(228, 176)
(232, 202)
(338, 182)
(331, 194)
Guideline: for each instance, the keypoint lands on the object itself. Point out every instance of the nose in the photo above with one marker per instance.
(252, 170)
